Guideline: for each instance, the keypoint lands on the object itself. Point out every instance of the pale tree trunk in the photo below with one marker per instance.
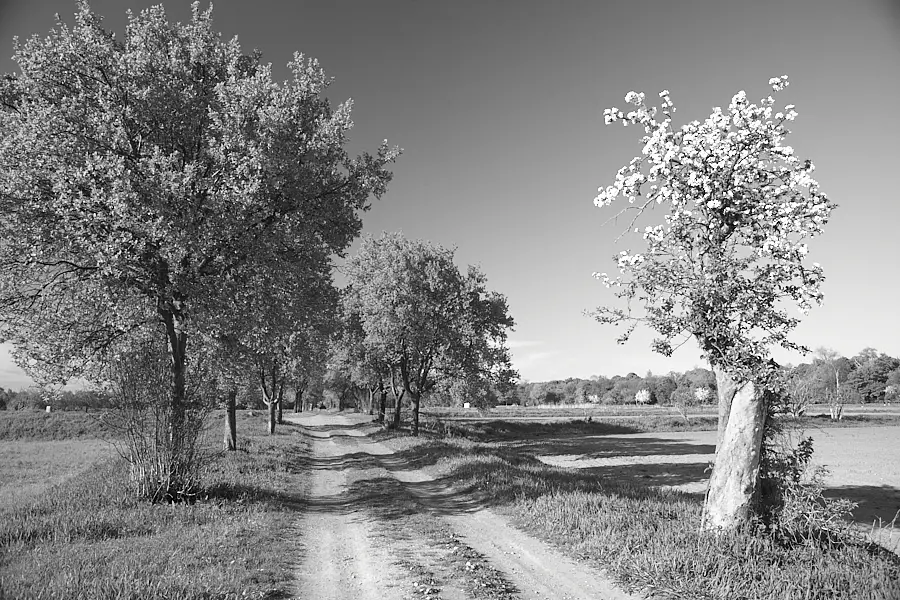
(371, 401)
(398, 397)
(270, 397)
(281, 402)
(231, 420)
(726, 388)
(735, 474)
(272, 416)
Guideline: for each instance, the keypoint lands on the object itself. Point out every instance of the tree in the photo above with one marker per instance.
(425, 319)
(869, 378)
(644, 396)
(832, 370)
(364, 366)
(723, 263)
(139, 174)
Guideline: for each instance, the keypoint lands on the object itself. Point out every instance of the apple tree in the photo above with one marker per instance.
(723, 264)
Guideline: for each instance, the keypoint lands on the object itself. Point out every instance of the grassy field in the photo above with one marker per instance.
(87, 538)
(36, 425)
(648, 539)
(600, 411)
(494, 429)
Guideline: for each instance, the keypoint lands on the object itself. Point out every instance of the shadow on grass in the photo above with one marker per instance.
(613, 446)
(478, 478)
(879, 504)
(656, 475)
(238, 492)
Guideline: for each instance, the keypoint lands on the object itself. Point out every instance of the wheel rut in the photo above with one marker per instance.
(377, 529)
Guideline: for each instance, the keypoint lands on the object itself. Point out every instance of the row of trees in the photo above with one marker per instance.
(168, 219)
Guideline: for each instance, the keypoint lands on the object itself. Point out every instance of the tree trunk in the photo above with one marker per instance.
(272, 416)
(298, 400)
(372, 401)
(398, 400)
(415, 407)
(735, 474)
(281, 403)
(726, 388)
(177, 342)
(231, 421)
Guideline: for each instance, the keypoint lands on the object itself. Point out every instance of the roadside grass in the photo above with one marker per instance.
(88, 538)
(647, 539)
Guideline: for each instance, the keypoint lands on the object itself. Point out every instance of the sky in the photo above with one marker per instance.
(498, 107)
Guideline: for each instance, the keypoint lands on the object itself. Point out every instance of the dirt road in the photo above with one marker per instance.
(378, 529)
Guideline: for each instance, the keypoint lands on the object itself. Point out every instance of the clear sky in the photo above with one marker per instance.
(499, 109)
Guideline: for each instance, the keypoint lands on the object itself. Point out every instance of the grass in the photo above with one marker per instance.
(28, 468)
(88, 538)
(517, 430)
(647, 539)
(498, 429)
(60, 425)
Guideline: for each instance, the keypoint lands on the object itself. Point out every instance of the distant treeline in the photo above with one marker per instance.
(868, 377)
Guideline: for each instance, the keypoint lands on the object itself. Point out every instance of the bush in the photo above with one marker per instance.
(161, 441)
(790, 504)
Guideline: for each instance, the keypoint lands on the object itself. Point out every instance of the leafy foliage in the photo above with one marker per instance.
(417, 315)
(143, 177)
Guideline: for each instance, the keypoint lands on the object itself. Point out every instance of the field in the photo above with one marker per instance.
(78, 534)
(332, 506)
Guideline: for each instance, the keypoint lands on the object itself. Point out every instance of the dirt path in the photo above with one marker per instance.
(340, 559)
(376, 529)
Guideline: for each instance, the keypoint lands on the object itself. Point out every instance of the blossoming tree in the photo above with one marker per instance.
(724, 263)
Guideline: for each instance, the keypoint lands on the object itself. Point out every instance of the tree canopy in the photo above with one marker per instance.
(151, 184)
(424, 319)
(141, 175)
(729, 252)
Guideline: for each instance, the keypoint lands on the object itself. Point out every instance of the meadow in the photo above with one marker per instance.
(70, 529)
(80, 534)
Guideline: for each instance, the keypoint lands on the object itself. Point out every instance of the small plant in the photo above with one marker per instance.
(790, 505)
